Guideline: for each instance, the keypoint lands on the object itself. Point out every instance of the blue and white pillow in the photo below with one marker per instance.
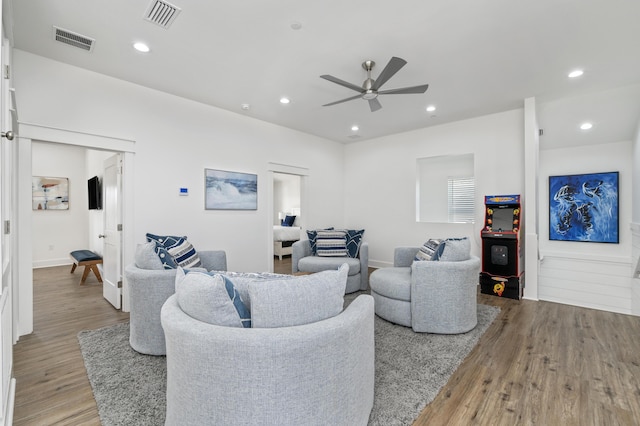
(354, 239)
(165, 257)
(312, 235)
(211, 298)
(430, 250)
(185, 255)
(166, 241)
(331, 244)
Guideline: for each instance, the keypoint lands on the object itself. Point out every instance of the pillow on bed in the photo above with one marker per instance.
(288, 220)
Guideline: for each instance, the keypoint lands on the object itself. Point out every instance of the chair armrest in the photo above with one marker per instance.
(364, 265)
(213, 260)
(403, 256)
(299, 249)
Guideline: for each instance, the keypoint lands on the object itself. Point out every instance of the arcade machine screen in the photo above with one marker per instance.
(502, 219)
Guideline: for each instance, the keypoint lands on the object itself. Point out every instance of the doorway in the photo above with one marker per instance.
(30, 134)
(286, 196)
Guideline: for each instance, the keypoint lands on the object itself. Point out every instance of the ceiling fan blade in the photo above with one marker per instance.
(405, 90)
(392, 67)
(374, 104)
(343, 100)
(342, 83)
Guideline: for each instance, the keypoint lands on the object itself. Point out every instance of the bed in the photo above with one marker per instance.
(283, 239)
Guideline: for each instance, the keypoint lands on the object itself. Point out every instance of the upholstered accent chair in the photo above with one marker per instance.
(149, 287)
(305, 359)
(303, 260)
(428, 296)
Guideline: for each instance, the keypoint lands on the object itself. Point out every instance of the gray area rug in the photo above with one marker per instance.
(411, 368)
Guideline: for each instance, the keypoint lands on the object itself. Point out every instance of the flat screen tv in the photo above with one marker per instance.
(95, 193)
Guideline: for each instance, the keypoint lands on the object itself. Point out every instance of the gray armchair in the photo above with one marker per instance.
(302, 260)
(429, 296)
(148, 290)
(321, 373)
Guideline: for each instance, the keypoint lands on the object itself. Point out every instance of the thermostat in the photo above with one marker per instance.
(184, 191)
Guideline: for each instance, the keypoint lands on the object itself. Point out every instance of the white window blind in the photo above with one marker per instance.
(461, 193)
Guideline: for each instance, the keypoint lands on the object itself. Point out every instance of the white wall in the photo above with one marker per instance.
(380, 179)
(176, 140)
(635, 226)
(58, 232)
(594, 275)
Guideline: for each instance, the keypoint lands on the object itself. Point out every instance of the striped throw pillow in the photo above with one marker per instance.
(331, 244)
(431, 250)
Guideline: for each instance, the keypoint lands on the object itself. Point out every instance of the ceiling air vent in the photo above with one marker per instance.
(161, 13)
(73, 39)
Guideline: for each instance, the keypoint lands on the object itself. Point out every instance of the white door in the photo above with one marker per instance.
(112, 248)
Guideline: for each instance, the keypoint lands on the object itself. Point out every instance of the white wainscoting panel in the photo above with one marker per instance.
(635, 271)
(589, 281)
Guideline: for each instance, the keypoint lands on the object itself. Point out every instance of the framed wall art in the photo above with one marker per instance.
(584, 207)
(224, 190)
(50, 193)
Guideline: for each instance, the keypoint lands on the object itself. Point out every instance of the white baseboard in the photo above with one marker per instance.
(51, 262)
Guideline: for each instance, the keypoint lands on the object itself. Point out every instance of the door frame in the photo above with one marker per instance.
(23, 256)
(272, 168)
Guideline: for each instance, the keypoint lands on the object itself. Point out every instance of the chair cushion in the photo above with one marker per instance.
(318, 264)
(394, 283)
(297, 301)
(84, 255)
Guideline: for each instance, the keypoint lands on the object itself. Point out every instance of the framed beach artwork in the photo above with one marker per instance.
(224, 190)
(584, 208)
(50, 193)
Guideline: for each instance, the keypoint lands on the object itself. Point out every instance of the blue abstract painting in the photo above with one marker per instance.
(584, 207)
(230, 190)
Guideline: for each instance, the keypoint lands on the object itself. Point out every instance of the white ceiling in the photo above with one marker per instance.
(479, 57)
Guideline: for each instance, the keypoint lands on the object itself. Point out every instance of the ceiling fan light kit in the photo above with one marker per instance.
(370, 89)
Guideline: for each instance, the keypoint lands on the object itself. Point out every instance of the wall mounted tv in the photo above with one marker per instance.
(95, 193)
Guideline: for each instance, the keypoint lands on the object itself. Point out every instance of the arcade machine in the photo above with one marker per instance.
(502, 259)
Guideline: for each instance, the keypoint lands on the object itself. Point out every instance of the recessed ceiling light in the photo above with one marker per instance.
(141, 47)
(245, 107)
(431, 108)
(575, 73)
(355, 128)
(296, 25)
(586, 126)
(284, 100)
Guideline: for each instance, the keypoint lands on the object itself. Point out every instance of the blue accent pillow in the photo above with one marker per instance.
(288, 220)
(165, 258)
(166, 241)
(354, 238)
(185, 255)
(243, 312)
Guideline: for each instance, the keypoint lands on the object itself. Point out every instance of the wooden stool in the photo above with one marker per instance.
(89, 260)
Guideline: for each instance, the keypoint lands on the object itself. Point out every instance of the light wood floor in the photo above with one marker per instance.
(539, 363)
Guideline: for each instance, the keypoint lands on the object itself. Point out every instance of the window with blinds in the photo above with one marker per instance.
(461, 193)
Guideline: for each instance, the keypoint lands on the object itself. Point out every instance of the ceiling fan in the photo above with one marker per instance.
(370, 88)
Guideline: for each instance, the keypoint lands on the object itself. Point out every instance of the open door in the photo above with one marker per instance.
(112, 246)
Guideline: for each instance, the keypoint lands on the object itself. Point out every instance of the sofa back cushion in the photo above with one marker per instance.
(211, 298)
(297, 301)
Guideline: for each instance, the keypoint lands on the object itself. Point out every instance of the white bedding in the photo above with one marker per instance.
(286, 233)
